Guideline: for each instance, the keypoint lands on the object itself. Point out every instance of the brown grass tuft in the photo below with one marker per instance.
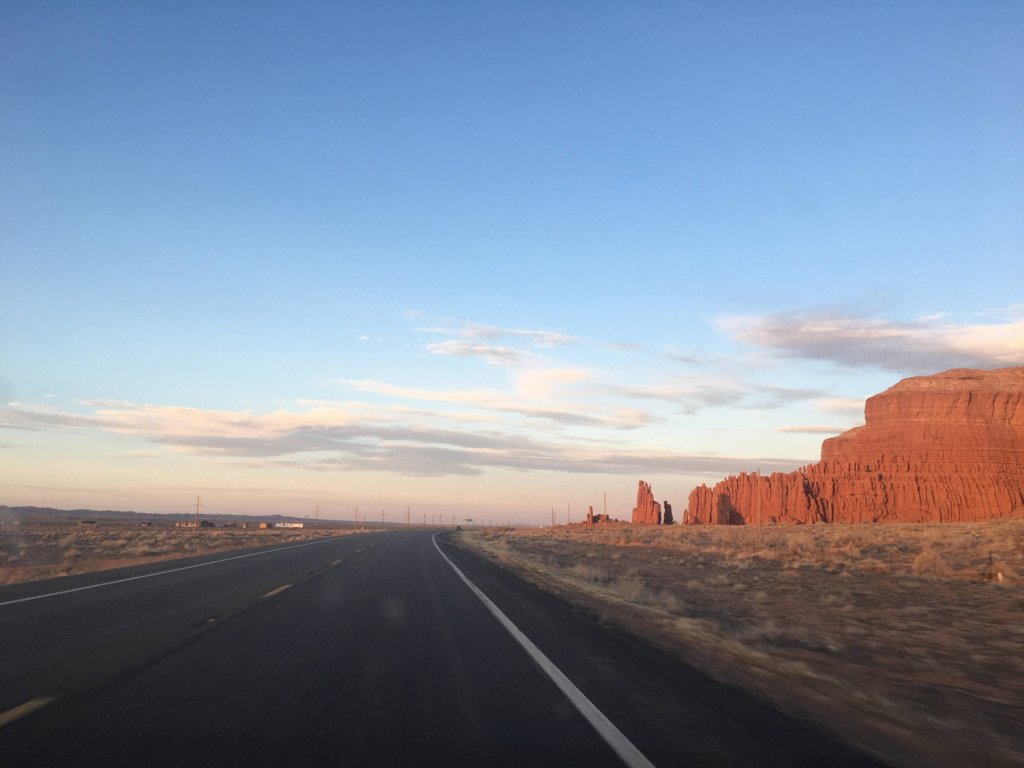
(930, 564)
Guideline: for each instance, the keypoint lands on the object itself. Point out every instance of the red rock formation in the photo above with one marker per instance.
(942, 448)
(668, 513)
(647, 511)
(598, 519)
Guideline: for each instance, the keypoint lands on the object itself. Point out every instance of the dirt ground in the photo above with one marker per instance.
(906, 640)
(43, 550)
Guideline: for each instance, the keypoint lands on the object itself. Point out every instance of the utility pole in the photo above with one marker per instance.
(356, 523)
(198, 502)
(317, 514)
(606, 505)
(552, 517)
(568, 514)
(407, 511)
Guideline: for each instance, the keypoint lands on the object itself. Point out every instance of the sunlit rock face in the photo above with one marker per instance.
(647, 511)
(942, 448)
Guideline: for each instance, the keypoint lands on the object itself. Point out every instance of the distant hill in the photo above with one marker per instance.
(49, 514)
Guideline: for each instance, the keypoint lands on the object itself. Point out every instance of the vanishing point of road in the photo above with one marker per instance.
(365, 650)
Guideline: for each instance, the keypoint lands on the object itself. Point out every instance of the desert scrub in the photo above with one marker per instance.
(930, 564)
(998, 572)
(585, 572)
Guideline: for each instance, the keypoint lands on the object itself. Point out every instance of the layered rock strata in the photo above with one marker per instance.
(647, 511)
(942, 448)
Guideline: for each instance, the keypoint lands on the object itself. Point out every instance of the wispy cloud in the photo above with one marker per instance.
(535, 384)
(30, 416)
(693, 393)
(466, 396)
(540, 394)
(619, 419)
(845, 406)
(921, 346)
(336, 438)
(535, 336)
(492, 353)
(768, 396)
(689, 397)
(480, 340)
(811, 430)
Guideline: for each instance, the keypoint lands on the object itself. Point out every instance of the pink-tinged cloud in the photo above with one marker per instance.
(326, 438)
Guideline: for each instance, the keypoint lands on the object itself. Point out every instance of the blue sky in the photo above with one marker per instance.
(490, 258)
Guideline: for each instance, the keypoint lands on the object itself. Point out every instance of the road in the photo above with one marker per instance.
(362, 650)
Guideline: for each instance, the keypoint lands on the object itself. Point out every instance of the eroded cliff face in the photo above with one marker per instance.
(647, 511)
(942, 448)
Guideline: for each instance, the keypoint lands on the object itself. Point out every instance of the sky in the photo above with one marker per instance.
(487, 259)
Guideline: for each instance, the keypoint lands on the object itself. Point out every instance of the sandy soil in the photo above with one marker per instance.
(43, 550)
(906, 640)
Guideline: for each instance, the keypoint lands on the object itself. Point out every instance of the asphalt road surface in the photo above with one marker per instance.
(363, 650)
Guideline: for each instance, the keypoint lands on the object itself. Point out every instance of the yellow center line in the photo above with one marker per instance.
(280, 589)
(16, 713)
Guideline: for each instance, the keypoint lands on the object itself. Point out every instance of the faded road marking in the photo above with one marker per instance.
(277, 591)
(16, 713)
(615, 738)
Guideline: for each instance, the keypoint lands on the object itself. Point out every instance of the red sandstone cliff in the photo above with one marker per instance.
(647, 511)
(943, 448)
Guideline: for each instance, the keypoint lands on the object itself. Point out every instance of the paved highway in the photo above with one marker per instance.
(362, 650)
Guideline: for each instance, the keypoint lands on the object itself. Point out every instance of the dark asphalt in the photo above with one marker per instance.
(377, 654)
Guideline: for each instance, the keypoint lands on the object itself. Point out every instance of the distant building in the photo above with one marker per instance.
(266, 525)
(291, 525)
(87, 522)
(192, 524)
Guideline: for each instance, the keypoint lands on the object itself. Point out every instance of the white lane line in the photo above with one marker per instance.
(335, 562)
(161, 573)
(16, 713)
(616, 739)
(277, 591)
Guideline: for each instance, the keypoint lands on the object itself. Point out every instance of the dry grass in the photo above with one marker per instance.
(31, 551)
(908, 640)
